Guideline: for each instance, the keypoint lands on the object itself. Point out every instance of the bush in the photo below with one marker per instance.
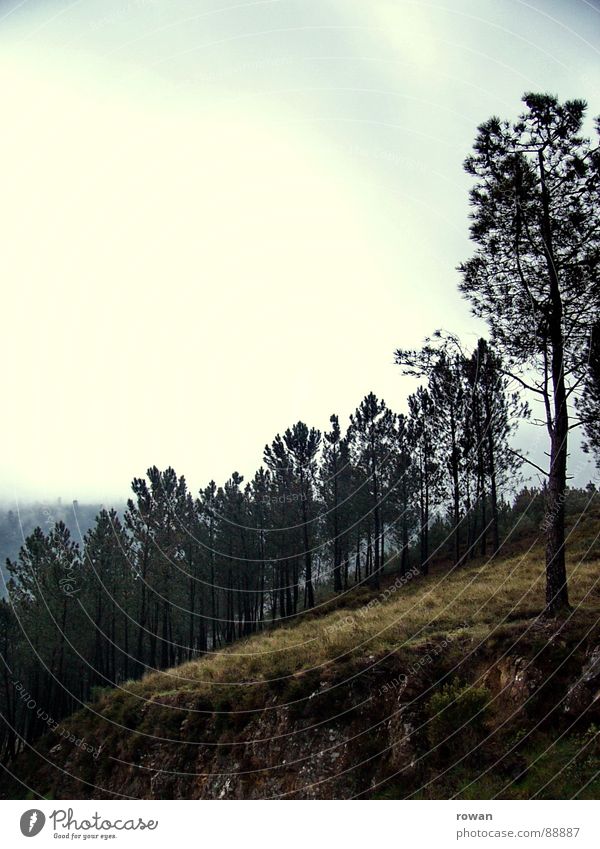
(457, 719)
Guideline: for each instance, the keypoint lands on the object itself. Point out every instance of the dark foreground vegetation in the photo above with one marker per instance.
(441, 685)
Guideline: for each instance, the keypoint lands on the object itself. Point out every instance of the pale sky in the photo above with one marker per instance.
(220, 217)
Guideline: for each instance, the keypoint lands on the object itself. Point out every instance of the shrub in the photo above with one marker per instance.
(457, 718)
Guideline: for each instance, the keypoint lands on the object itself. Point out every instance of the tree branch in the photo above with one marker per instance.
(526, 460)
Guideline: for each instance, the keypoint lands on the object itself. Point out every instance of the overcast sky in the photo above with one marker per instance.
(221, 217)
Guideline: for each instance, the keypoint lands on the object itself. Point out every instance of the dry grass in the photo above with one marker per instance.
(479, 599)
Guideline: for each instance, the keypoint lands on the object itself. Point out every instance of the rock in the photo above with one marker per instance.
(401, 730)
(585, 692)
(516, 678)
(590, 674)
(577, 699)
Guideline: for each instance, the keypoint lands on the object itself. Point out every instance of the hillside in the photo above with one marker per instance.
(432, 687)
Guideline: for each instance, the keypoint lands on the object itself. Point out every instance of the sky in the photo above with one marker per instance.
(221, 217)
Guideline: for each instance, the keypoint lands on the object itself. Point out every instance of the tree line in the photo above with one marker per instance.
(178, 574)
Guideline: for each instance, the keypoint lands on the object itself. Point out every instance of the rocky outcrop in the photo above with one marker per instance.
(515, 678)
(338, 737)
(584, 695)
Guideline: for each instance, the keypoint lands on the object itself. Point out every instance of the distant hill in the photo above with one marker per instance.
(17, 522)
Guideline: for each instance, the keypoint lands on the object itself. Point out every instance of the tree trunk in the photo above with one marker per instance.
(404, 557)
(377, 528)
(357, 575)
(492, 474)
(424, 519)
(557, 597)
(337, 553)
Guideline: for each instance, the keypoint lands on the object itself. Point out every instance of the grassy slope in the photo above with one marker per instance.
(488, 608)
(483, 599)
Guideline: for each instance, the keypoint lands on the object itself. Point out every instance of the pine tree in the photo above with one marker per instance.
(493, 414)
(589, 404)
(108, 590)
(421, 438)
(371, 435)
(336, 493)
(534, 274)
(405, 488)
(286, 538)
(303, 446)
